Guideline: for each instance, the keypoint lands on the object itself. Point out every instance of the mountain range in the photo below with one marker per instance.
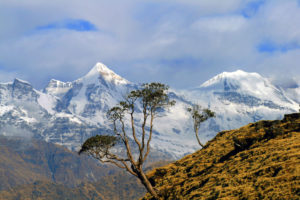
(67, 113)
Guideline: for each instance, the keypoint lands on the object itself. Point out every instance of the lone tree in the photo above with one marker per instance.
(199, 115)
(152, 97)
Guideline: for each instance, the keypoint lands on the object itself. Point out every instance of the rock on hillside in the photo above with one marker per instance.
(258, 161)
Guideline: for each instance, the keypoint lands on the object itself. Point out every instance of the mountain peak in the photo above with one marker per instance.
(102, 70)
(233, 77)
(99, 68)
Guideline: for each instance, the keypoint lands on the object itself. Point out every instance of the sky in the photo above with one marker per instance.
(181, 43)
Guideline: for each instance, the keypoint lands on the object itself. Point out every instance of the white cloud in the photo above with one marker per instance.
(279, 21)
(12, 131)
(145, 40)
(220, 24)
(7, 76)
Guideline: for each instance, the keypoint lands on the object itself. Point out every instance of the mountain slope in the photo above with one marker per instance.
(113, 187)
(24, 161)
(48, 190)
(258, 161)
(32, 169)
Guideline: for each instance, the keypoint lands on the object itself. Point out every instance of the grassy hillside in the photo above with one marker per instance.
(258, 161)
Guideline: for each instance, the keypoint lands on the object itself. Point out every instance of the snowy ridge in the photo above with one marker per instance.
(22, 81)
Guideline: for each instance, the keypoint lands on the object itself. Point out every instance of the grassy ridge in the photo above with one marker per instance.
(258, 161)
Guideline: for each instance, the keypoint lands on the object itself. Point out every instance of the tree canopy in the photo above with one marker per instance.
(199, 115)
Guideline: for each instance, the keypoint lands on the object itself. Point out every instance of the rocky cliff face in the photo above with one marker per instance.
(258, 161)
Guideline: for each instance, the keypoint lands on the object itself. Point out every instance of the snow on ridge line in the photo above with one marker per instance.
(59, 83)
(22, 81)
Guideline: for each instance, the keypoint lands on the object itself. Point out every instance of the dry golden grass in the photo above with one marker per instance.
(258, 161)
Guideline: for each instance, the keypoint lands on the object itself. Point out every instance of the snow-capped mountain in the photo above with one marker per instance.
(91, 96)
(246, 85)
(27, 112)
(239, 98)
(68, 113)
(99, 90)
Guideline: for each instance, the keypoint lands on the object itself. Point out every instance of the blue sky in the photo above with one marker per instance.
(70, 24)
(179, 42)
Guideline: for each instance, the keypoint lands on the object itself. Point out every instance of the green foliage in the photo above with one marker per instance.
(199, 114)
(152, 96)
(98, 143)
(116, 113)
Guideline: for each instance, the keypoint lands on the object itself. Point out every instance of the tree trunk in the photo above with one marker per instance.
(196, 133)
(144, 180)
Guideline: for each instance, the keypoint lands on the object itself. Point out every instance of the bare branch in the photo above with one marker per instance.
(126, 143)
(133, 132)
(150, 137)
